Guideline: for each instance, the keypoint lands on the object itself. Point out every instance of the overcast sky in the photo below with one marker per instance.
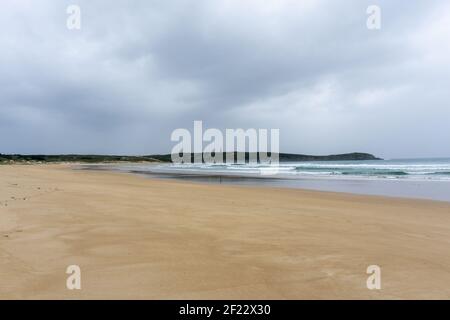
(137, 70)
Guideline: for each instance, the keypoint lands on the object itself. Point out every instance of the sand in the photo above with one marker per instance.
(140, 238)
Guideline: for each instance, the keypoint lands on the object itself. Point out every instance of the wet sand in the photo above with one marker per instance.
(135, 237)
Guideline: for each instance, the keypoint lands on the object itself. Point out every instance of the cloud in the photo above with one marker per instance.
(136, 71)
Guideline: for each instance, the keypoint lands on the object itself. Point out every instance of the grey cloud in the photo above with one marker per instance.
(137, 70)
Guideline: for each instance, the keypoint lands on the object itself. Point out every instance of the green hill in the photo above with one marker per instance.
(283, 157)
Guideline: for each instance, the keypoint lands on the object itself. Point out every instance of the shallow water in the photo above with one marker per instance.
(413, 178)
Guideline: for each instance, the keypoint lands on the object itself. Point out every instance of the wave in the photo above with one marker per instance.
(351, 171)
(377, 173)
(407, 170)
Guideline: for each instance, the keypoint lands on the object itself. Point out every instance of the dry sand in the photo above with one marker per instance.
(135, 237)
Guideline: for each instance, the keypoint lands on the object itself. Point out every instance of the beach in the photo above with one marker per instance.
(141, 238)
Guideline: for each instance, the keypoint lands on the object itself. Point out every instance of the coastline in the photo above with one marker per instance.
(144, 238)
(394, 187)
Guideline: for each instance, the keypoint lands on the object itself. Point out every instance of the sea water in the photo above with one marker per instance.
(416, 178)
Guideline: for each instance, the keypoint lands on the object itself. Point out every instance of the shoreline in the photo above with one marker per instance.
(141, 238)
(435, 190)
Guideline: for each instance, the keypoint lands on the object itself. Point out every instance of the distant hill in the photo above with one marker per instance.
(283, 157)
(334, 157)
(291, 157)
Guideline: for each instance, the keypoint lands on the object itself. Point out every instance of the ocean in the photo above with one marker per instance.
(412, 178)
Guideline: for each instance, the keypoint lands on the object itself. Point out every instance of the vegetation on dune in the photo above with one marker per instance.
(283, 157)
(18, 158)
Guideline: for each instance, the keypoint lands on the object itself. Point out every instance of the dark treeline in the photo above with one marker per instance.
(283, 157)
(80, 158)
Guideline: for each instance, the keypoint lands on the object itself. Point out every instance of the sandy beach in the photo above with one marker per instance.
(140, 238)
